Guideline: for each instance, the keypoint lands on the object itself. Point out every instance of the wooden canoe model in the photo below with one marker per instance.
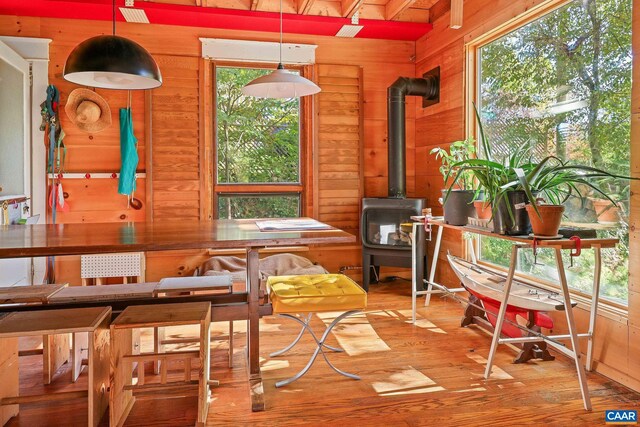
(487, 283)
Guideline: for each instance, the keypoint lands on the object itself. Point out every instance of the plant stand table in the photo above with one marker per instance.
(520, 242)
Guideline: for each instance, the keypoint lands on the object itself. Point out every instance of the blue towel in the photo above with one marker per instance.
(128, 154)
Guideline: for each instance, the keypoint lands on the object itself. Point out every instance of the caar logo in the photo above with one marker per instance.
(621, 416)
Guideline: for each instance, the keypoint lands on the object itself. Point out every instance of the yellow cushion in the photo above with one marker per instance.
(315, 293)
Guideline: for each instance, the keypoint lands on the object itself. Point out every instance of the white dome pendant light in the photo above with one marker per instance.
(280, 83)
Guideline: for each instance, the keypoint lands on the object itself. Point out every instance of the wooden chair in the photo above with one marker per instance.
(93, 322)
(298, 297)
(123, 357)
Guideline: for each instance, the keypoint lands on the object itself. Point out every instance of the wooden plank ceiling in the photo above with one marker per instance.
(387, 10)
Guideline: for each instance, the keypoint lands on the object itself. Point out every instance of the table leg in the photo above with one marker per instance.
(503, 309)
(471, 250)
(582, 376)
(99, 352)
(414, 277)
(595, 297)
(434, 263)
(205, 361)
(8, 377)
(158, 336)
(253, 331)
(120, 400)
(80, 344)
(55, 353)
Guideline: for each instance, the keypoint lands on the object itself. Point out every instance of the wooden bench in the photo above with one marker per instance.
(91, 321)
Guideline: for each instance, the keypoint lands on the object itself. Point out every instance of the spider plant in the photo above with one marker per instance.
(494, 176)
(555, 181)
(550, 178)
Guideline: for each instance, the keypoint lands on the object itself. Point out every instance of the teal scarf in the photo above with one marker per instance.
(128, 154)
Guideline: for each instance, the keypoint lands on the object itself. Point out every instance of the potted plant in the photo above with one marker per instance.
(458, 197)
(493, 177)
(555, 181)
(607, 212)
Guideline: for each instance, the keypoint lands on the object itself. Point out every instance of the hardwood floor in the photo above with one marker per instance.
(423, 375)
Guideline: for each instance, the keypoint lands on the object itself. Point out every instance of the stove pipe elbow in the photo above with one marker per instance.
(429, 88)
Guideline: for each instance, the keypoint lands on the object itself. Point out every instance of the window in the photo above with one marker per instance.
(258, 150)
(562, 85)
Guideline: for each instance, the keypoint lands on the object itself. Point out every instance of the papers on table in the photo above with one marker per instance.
(291, 225)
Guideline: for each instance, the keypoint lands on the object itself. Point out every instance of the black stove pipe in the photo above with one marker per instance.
(426, 87)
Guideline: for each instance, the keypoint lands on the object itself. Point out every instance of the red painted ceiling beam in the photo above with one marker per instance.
(231, 19)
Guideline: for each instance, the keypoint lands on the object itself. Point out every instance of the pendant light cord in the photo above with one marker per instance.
(280, 32)
(114, 16)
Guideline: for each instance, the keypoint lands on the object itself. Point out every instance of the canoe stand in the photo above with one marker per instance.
(520, 242)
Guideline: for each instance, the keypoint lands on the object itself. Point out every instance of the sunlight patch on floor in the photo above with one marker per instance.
(355, 334)
(496, 372)
(270, 327)
(429, 326)
(393, 314)
(273, 364)
(407, 381)
(467, 390)
(511, 385)
(406, 314)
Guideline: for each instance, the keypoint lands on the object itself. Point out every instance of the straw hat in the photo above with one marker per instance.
(88, 110)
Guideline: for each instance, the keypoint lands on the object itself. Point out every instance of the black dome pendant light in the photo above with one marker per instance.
(112, 62)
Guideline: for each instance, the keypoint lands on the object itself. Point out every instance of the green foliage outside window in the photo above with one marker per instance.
(238, 206)
(258, 142)
(562, 85)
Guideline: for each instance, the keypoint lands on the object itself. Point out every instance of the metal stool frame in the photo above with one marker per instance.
(319, 342)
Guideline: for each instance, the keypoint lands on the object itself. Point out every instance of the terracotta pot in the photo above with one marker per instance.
(605, 211)
(548, 223)
(483, 209)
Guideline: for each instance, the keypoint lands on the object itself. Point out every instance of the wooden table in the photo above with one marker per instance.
(519, 242)
(40, 240)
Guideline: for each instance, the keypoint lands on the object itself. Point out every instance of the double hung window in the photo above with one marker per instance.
(258, 150)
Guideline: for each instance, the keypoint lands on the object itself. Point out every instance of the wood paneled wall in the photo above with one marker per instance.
(339, 146)
(172, 118)
(618, 335)
(175, 152)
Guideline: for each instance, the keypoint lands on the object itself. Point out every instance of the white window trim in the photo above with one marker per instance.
(254, 51)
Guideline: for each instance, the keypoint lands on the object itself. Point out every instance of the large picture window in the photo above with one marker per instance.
(258, 150)
(561, 85)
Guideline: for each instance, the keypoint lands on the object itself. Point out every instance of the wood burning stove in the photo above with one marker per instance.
(383, 241)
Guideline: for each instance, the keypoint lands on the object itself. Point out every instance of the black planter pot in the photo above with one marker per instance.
(519, 224)
(459, 206)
